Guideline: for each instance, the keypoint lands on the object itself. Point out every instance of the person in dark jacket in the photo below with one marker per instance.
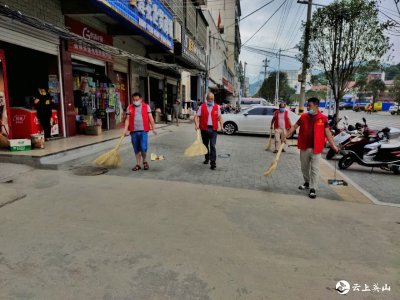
(43, 107)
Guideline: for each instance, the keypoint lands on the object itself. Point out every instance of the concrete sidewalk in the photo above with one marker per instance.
(110, 237)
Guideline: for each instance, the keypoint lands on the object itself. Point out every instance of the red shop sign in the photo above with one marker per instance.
(228, 86)
(88, 33)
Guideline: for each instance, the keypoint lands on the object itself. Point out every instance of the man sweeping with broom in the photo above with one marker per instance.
(280, 122)
(138, 121)
(209, 115)
(313, 130)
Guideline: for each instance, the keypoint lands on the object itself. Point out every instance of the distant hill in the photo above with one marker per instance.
(254, 87)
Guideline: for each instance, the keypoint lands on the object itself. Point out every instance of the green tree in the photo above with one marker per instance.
(343, 36)
(360, 88)
(395, 89)
(319, 79)
(375, 86)
(267, 89)
(391, 72)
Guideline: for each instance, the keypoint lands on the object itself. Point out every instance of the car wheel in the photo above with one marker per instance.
(392, 113)
(396, 170)
(345, 162)
(230, 128)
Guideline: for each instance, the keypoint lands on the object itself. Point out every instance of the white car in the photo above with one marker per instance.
(255, 119)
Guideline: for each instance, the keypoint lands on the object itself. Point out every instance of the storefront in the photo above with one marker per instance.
(29, 61)
(99, 94)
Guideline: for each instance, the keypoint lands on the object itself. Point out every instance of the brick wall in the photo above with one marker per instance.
(47, 10)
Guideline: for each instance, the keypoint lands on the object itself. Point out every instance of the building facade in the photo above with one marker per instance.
(91, 84)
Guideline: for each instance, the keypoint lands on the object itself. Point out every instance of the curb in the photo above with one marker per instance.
(360, 189)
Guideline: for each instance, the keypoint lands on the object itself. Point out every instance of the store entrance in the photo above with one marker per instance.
(122, 98)
(95, 97)
(27, 71)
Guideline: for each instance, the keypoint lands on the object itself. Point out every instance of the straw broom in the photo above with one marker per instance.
(197, 148)
(269, 141)
(275, 162)
(4, 141)
(111, 158)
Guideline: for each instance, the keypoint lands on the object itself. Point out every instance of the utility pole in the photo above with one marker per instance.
(277, 79)
(244, 80)
(265, 67)
(305, 59)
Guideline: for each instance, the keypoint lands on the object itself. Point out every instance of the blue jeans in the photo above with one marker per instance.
(139, 141)
(210, 140)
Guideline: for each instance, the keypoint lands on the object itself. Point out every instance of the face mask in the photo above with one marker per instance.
(136, 103)
(281, 109)
(310, 112)
(210, 103)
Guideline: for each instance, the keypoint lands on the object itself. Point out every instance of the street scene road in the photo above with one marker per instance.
(183, 231)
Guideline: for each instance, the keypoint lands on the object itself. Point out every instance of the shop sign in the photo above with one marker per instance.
(138, 69)
(192, 51)
(228, 86)
(151, 17)
(92, 34)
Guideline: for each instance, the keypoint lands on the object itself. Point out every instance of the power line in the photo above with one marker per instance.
(264, 23)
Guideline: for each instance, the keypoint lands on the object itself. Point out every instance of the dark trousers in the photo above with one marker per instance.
(210, 140)
(45, 122)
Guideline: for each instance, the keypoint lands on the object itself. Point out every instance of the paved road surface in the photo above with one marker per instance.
(114, 238)
(375, 121)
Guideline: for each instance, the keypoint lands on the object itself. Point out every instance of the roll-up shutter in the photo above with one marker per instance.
(156, 75)
(172, 81)
(120, 64)
(88, 59)
(17, 33)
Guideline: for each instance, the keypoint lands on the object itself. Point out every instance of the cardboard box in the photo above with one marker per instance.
(20, 145)
(93, 130)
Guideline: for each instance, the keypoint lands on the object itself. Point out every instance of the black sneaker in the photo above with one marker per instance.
(305, 186)
(206, 161)
(213, 165)
(312, 195)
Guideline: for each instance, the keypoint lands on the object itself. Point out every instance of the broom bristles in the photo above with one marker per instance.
(111, 158)
(269, 141)
(274, 164)
(197, 148)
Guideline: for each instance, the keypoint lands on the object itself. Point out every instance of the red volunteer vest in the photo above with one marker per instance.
(145, 116)
(204, 117)
(319, 132)
(276, 122)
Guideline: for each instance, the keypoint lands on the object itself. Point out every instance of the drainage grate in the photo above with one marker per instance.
(89, 171)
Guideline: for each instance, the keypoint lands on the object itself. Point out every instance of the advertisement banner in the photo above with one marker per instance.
(88, 33)
(192, 51)
(150, 17)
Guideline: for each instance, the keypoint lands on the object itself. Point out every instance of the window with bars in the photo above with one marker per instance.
(177, 8)
(191, 17)
(201, 30)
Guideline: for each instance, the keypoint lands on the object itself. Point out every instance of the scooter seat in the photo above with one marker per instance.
(390, 146)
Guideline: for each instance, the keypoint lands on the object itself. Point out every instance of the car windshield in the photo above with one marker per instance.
(245, 109)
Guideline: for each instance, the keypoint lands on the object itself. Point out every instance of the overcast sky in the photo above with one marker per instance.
(290, 35)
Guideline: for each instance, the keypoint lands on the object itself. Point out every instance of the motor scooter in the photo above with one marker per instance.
(384, 156)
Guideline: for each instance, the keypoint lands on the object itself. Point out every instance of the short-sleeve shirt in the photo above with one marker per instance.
(138, 124)
(310, 133)
(209, 108)
(281, 120)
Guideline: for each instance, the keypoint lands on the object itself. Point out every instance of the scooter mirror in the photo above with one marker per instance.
(365, 121)
(346, 118)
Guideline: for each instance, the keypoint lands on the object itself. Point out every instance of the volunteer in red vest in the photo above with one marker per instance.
(138, 121)
(280, 123)
(313, 130)
(209, 115)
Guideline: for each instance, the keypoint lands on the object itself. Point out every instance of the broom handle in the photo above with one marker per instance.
(198, 135)
(120, 141)
(280, 151)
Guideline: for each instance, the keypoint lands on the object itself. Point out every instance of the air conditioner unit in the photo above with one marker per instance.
(177, 32)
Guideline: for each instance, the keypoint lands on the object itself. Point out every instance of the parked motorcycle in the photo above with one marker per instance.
(342, 136)
(385, 156)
